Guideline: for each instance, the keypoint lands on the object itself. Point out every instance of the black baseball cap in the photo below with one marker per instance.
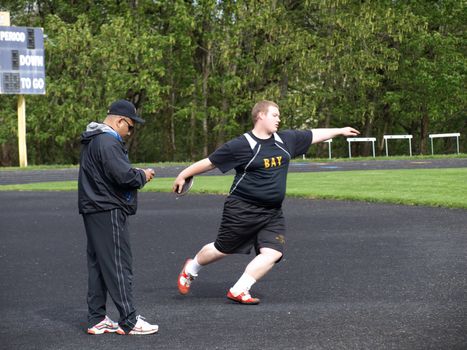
(126, 109)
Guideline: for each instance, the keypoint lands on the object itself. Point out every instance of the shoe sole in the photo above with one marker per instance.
(97, 332)
(145, 333)
(121, 332)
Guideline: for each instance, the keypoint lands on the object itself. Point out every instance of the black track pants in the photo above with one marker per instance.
(109, 266)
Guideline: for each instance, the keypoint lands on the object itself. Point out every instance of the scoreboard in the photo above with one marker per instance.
(22, 65)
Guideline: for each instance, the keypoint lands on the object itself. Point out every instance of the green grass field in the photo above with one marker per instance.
(431, 187)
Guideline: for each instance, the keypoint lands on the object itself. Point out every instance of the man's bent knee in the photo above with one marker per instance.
(208, 254)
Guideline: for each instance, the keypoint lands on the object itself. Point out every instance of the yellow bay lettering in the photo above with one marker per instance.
(272, 162)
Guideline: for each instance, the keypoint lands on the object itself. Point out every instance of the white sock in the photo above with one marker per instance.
(193, 267)
(243, 284)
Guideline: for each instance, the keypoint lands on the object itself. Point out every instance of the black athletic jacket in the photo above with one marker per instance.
(106, 179)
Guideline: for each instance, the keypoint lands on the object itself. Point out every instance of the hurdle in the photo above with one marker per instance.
(361, 139)
(329, 148)
(434, 136)
(394, 137)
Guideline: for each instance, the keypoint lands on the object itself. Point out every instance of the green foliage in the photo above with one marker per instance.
(194, 69)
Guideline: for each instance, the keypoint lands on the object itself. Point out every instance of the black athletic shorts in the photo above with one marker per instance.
(245, 225)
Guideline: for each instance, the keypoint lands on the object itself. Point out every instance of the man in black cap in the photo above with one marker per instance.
(107, 195)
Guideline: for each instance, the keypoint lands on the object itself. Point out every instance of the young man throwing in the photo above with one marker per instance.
(252, 215)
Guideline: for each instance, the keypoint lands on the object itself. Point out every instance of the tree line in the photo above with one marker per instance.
(194, 69)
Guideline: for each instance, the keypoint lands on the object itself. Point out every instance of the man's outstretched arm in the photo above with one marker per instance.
(320, 135)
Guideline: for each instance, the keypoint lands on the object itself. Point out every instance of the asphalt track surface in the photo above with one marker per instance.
(355, 276)
(8, 177)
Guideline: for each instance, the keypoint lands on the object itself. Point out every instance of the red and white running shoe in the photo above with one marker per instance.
(185, 279)
(243, 298)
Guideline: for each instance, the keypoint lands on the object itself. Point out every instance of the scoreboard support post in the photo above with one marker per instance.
(22, 149)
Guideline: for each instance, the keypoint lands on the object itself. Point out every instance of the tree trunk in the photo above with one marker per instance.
(222, 119)
(424, 123)
(206, 72)
(192, 132)
(284, 85)
(367, 133)
(172, 121)
(6, 155)
(170, 110)
(387, 122)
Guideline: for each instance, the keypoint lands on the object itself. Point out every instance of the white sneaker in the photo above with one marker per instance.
(141, 328)
(104, 326)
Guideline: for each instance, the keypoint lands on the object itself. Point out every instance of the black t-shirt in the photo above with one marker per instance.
(261, 165)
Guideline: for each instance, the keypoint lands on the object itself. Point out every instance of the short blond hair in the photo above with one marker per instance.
(261, 106)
